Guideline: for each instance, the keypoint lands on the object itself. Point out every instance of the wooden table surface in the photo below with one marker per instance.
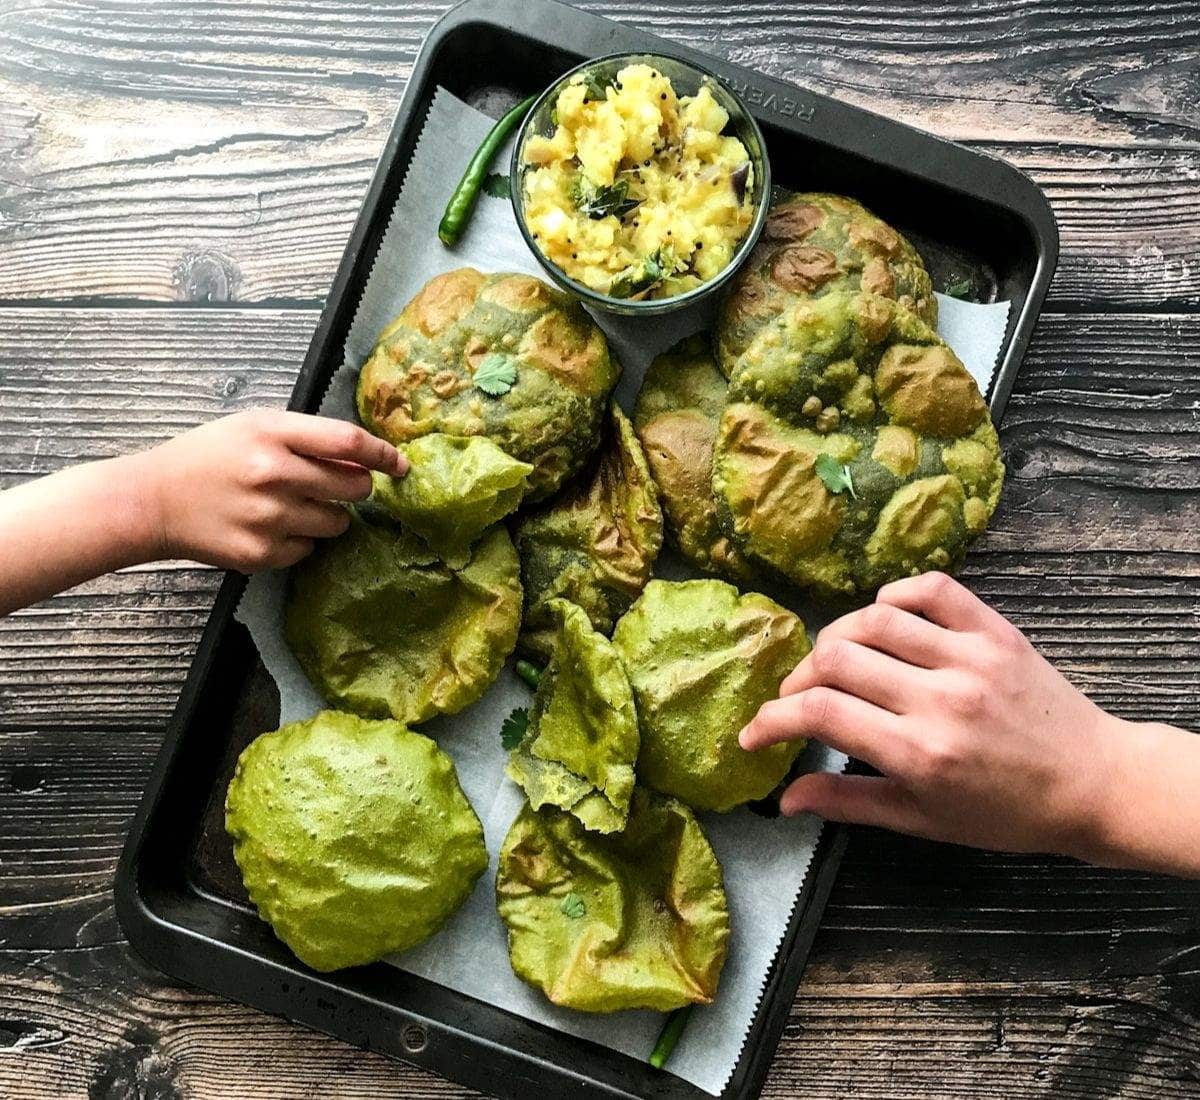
(177, 182)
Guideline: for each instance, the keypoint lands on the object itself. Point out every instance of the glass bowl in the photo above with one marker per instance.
(686, 78)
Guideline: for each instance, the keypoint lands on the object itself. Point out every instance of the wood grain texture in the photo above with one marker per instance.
(214, 152)
(94, 1022)
(219, 152)
(1101, 438)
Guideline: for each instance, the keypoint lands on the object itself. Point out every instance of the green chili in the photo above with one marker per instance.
(669, 1036)
(462, 201)
(530, 673)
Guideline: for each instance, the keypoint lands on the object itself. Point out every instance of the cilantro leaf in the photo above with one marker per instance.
(596, 86)
(495, 374)
(573, 906)
(497, 185)
(599, 201)
(513, 728)
(959, 288)
(835, 475)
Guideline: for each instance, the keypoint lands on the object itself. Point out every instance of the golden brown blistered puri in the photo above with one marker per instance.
(901, 424)
(421, 376)
(926, 388)
(595, 543)
(814, 244)
(676, 417)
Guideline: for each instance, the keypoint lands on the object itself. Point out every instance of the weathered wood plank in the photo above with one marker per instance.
(1060, 71)
(220, 152)
(902, 911)
(94, 1022)
(1093, 551)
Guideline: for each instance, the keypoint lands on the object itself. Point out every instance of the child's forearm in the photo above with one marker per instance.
(1148, 814)
(60, 530)
(248, 491)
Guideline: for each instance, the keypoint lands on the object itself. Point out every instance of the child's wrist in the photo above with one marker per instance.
(136, 482)
(1148, 818)
(1097, 831)
(1132, 804)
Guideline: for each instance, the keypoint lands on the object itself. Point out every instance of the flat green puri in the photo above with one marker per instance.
(353, 837)
(383, 628)
(702, 659)
(599, 923)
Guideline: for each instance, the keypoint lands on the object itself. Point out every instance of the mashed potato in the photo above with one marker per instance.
(637, 194)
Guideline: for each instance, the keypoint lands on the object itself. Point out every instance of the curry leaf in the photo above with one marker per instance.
(495, 374)
(959, 288)
(513, 728)
(496, 185)
(573, 906)
(655, 267)
(835, 475)
(599, 201)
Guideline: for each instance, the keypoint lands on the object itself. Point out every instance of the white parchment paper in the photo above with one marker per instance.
(765, 860)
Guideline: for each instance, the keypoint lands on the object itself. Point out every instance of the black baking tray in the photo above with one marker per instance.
(178, 895)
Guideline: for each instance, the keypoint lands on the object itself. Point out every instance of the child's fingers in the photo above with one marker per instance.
(325, 437)
(315, 519)
(941, 599)
(325, 479)
(834, 718)
(858, 670)
(285, 553)
(860, 799)
(892, 630)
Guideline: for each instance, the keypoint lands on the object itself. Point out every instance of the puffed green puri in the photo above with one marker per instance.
(855, 448)
(503, 356)
(702, 659)
(353, 837)
(599, 923)
(383, 628)
(580, 745)
(676, 415)
(815, 244)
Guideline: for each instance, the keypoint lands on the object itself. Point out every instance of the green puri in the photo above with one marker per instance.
(702, 659)
(676, 415)
(582, 739)
(503, 356)
(814, 244)
(384, 628)
(353, 837)
(856, 385)
(600, 923)
(456, 488)
(595, 543)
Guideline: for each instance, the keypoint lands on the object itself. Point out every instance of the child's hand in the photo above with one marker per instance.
(251, 491)
(980, 741)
